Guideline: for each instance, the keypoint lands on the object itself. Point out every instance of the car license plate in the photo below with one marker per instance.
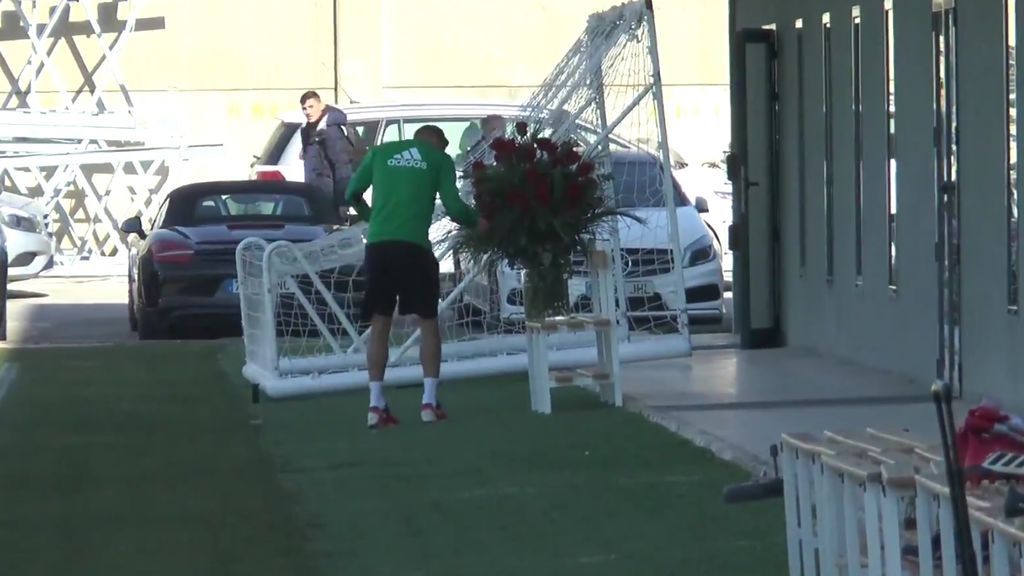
(639, 289)
(231, 286)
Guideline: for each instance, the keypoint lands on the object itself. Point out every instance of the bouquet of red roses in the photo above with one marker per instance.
(543, 201)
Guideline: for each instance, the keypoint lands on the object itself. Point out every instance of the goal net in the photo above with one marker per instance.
(300, 302)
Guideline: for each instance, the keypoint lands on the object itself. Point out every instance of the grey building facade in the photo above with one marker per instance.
(875, 184)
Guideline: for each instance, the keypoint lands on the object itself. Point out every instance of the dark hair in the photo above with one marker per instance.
(308, 95)
(431, 130)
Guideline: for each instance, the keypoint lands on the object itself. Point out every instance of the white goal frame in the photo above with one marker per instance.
(262, 276)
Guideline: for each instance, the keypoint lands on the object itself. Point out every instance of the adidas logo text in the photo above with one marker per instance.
(410, 158)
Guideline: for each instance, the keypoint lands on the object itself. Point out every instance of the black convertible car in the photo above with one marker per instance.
(182, 273)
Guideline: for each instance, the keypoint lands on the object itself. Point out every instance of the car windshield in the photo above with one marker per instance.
(240, 205)
(638, 184)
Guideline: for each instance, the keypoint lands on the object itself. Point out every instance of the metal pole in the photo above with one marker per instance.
(666, 165)
(942, 396)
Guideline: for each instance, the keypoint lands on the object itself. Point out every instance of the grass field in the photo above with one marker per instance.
(141, 460)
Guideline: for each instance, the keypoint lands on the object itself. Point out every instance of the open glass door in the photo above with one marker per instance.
(753, 170)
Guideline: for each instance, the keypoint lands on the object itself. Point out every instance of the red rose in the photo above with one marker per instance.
(517, 199)
(541, 189)
(574, 194)
(543, 195)
(502, 145)
(585, 168)
(568, 157)
(522, 128)
(533, 176)
(526, 153)
(546, 145)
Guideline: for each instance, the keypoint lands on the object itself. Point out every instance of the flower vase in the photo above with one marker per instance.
(546, 292)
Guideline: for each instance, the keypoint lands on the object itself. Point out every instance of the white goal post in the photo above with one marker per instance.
(300, 302)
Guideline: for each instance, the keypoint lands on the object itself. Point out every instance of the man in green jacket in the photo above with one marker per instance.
(406, 176)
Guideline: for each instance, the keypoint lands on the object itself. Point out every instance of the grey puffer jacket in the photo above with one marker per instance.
(327, 153)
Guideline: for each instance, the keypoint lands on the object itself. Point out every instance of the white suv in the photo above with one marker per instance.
(370, 125)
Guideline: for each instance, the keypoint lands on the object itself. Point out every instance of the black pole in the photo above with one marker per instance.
(942, 395)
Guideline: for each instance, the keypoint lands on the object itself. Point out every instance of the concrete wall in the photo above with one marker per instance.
(896, 329)
(993, 334)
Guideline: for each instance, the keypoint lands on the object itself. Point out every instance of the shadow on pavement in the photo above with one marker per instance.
(15, 294)
(36, 321)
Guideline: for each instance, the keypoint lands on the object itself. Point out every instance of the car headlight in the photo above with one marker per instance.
(19, 220)
(699, 251)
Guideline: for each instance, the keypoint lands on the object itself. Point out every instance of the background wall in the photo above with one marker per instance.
(222, 71)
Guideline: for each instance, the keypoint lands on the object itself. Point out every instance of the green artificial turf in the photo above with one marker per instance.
(142, 460)
(499, 490)
(137, 460)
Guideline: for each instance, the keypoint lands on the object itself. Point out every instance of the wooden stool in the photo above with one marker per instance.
(604, 376)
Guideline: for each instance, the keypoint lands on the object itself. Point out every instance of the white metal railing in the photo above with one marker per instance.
(875, 503)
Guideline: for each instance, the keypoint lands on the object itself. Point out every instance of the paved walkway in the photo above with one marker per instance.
(738, 402)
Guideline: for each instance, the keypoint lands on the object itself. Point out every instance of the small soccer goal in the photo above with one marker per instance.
(300, 302)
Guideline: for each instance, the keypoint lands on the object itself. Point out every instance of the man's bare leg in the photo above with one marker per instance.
(377, 361)
(430, 347)
(430, 359)
(378, 347)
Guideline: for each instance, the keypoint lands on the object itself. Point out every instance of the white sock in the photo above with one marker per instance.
(377, 395)
(430, 390)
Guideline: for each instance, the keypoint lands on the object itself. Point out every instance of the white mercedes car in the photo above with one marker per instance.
(712, 183)
(649, 276)
(29, 244)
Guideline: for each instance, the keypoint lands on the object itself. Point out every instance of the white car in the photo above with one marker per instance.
(29, 244)
(369, 125)
(372, 124)
(650, 278)
(712, 184)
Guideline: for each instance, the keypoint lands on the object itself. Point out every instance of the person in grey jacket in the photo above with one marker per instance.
(326, 148)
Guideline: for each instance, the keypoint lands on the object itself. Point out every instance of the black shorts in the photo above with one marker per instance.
(401, 271)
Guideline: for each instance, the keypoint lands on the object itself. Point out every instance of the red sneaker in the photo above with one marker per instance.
(432, 413)
(380, 418)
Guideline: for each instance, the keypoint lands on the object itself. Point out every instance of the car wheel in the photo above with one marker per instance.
(149, 326)
(133, 320)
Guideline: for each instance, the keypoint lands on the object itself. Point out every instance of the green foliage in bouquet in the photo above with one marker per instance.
(542, 200)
